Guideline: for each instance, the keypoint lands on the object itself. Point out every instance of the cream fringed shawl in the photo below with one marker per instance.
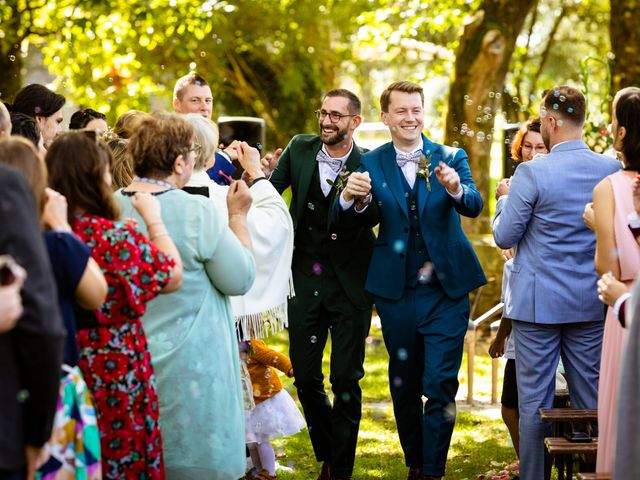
(262, 311)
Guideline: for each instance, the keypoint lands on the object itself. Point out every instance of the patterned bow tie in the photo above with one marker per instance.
(402, 158)
(334, 163)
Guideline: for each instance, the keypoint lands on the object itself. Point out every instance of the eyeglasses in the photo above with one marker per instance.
(196, 149)
(335, 117)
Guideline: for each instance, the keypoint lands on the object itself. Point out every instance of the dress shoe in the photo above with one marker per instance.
(325, 473)
(415, 473)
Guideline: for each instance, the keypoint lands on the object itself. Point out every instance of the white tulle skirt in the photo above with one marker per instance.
(275, 417)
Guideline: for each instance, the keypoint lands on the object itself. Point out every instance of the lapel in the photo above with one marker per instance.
(428, 149)
(307, 165)
(392, 175)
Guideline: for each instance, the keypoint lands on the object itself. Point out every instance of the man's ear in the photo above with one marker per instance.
(176, 105)
(383, 117)
(357, 120)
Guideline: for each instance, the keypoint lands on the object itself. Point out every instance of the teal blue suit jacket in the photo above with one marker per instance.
(453, 258)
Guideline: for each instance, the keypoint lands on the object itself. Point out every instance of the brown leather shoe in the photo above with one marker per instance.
(264, 475)
(415, 473)
(325, 473)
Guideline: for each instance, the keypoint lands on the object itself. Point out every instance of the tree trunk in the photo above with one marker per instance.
(482, 62)
(625, 43)
(11, 78)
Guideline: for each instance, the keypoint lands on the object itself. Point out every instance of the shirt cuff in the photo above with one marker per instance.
(456, 196)
(621, 299)
(344, 204)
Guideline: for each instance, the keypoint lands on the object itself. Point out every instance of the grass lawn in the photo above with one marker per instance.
(479, 437)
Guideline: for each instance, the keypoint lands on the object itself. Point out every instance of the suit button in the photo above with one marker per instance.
(334, 236)
(311, 206)
(415, 217)
(316, 293)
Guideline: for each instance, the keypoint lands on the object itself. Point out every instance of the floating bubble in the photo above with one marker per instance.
(492, 94)
(562, 98)
(468, 102)
(515, 100)
(397, 382)
(570, 110)
(425, 272)
(543, 112)
(313, 339)
(402, 354)
(479, 108)
(470, 133)
(489, 137)
(487, 110)
(203, 53)
(23, 395)
(480, 137)
(467, 97)
(450, 412)
(556, 93)
(455, 144)
(346, 397)
(507, 141)
(478, 119)
(556, 106)
(317, 269)
(498, 95)
(560, 122)
(398, 246)
(12, 58)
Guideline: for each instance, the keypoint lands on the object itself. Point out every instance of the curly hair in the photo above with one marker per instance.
(158, 141)
(207, 136)
(19, 153)
(77, 163)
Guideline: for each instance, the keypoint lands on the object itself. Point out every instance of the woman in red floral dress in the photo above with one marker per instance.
(113, 348)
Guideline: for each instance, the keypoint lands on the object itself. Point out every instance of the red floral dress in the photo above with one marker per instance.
(114, 357)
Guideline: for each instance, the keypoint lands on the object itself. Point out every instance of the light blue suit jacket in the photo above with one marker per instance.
(452, 255)
(553, 279)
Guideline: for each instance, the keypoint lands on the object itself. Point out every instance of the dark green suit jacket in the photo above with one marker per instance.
(349, 250)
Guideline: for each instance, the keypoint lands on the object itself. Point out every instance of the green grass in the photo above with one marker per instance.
(479, 436)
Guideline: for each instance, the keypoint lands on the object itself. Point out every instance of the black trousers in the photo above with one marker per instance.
(321, 307)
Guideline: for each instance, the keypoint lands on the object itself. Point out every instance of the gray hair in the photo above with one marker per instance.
(206, 135)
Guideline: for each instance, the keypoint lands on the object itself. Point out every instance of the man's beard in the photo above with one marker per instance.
(333, 138)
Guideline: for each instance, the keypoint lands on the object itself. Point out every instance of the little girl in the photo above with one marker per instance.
(276, 414)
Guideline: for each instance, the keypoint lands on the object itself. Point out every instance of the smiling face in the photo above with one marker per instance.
(195, 99)
(332, 133)
(405, 118)
(532, 145)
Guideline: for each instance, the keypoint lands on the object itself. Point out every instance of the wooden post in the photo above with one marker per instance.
(471, 354)
(495, 364)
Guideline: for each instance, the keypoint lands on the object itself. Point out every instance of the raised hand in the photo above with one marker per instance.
(238, 199)
(270, 161)
(54, 214)
(448, 177)
(249, 158)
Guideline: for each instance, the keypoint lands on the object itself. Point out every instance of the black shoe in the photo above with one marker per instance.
(325, 473)
(415, 473)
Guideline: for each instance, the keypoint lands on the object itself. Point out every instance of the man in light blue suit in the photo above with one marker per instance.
(553, 301)
(421, 271)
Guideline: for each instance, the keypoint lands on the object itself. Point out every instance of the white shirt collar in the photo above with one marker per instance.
(417, 149)
(342, 159)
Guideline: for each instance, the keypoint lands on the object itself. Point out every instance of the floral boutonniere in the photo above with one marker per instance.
(424, 171)
(341, 180)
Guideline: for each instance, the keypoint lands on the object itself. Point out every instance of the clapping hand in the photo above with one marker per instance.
(358, 186)
(610, 289)
(503, 187)
(270, 162)
(448, 177)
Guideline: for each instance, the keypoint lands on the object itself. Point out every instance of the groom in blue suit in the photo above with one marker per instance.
(421, 272)
(553, 301)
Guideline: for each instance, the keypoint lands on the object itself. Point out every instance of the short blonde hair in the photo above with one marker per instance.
(128, 123)
(206, 135)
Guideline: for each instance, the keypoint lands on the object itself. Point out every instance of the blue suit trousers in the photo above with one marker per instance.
(424, 334)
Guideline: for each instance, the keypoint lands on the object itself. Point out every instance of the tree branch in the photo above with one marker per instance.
(548, 47)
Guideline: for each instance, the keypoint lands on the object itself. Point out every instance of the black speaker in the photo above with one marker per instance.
(508, 164)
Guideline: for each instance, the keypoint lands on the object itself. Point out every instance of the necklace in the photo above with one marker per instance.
(153, 181)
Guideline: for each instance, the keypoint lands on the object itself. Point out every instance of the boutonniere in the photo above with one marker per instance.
(424, 171)
(341, 180)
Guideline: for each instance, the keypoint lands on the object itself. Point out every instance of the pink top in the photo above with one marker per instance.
(628, 252)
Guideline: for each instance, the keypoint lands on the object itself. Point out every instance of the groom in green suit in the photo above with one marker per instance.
(329, 271)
